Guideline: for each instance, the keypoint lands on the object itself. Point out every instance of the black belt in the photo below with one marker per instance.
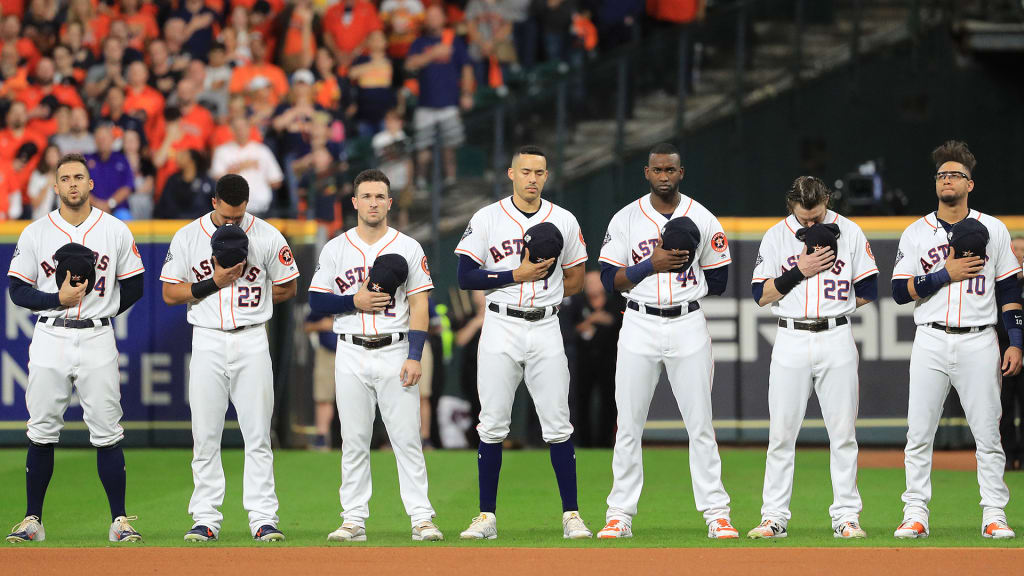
(372, 343)
(67, 323)
(663, 312)
(240, 328)
(531, 315)
(812, 325)
(955, 330)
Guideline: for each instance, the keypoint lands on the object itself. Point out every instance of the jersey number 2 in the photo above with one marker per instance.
(249, 297)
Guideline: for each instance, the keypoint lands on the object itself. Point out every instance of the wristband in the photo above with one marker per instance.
(788, 280)
(416, 340)
(637, 272)
(204, 288)
(928, 284)
(1013, 320)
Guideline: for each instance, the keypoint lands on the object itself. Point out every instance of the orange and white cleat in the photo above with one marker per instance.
(721, 529)
(911, 529)
(616, 529)
(998, 530)
(849, 529)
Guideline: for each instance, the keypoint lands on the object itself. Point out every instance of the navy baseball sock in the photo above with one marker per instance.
(110, 465)
(488, 468)
(563, 460)
(38, 471)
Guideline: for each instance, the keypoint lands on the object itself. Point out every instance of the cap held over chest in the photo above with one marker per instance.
(230, 245)
(388, 273)
(681, 234)
(78, 261)
(544, 241)
(968, 237)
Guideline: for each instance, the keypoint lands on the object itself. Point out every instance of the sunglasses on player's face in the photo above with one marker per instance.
(953, 175)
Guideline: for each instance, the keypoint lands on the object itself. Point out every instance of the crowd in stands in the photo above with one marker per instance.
(164, 96)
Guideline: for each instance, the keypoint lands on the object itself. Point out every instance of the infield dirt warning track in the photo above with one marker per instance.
(511, 562)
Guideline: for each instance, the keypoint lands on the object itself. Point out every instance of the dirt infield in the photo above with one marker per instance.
(941, 459)
(505, 561)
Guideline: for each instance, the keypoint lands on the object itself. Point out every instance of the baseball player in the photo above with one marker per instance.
(375, 281)
(664, 326)
(73, 344)
(814, 347)
(957, 266)
(521, 335)
(230, 267)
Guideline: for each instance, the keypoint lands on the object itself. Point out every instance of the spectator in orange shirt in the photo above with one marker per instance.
(13, 76)
(196, 121)
(10, 200)
(16, 7)
(65, 72)
(16, 134)
(94, 26)
(347, 24)
(10, 33)
(330, 90)
(402, 21)
(146, 103)
(222, 134)
(244, 75)
(141, 25)
(44, 86)
(299, 26)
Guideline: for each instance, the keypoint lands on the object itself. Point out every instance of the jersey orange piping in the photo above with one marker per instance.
(282, 280)
(127, 274)
(204, 227)
(1014, 271)
(168, 278)
(573, 263)
(419, 288)
(866, 273)
(50, 217)
(716, 264)
(610, 261)
(470, 254)
(98, 218)
(26, 278)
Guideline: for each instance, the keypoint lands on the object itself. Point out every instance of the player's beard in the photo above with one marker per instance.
(951, 197)
(65, 199)
(668, 194)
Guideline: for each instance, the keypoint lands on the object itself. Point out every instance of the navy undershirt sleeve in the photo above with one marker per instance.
(131, 292)
(331, 304)
(473, 277)
(1007, 291)
(24, 295)
(868, 288)
(757, 289)
(608, 272)
(717, 280)
(900, 292)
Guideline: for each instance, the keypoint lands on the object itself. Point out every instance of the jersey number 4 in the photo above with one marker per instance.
(249, 297)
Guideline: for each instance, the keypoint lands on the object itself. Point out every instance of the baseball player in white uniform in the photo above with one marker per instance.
(664, 326)
(378, 357)
(521, 335)
(73, 344)
(956, 295)
(814, 347)
(227, 308)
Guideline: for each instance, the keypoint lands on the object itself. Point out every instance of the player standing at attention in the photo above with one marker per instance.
(73, 344)
(664, 326)
(228, 308)
(814, 347)
(375, 281)
(956, 265)
(521, 335)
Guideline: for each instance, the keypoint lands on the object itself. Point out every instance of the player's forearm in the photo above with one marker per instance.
(572, 282)
(26, 296)
(286, 291)
(769, 293)
(188, 292)
(419, 311)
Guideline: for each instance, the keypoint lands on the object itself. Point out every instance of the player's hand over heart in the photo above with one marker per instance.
(412, 370)
(1012, 361)
(370, 301)
(817, 262)
(664, 260)
(71, 295)
(964, 268)
(529, 271)
(226, 276)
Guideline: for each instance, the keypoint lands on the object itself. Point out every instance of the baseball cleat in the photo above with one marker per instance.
(768, 529)
(998, 529)
(911, 529)
(348, 532)
(483, 527)
(721, 529)
(426, 531)
(200, 533)
(28, 530)
(122, 531)
(268, 533)
(849, 529)
(616, 529)
(573, 527)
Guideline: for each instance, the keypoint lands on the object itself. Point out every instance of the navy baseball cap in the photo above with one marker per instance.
(968, 237)
(544, 241)
(388, 273)
(820, 235)
(230, 245)
(681, 234)
(78, 261)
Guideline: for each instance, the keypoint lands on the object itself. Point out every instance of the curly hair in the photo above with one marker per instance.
(954, 151)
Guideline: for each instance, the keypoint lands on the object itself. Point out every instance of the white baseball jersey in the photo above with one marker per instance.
(494, 238)
(249, 300)
(924, 248)
(117, 258)
(345, 264)
(635, 230)
(829, 294)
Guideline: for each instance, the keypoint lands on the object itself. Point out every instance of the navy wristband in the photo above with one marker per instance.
(637, 272)
(416, 340)
(1013, 320)
(928, 284)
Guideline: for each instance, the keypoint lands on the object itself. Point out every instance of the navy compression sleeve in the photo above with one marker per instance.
(331, 304)
(24, 295)
(717, 280)
(868, 288)
(131, 292)
(473, 277)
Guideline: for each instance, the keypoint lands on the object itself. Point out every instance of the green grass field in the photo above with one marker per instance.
(529, 512)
